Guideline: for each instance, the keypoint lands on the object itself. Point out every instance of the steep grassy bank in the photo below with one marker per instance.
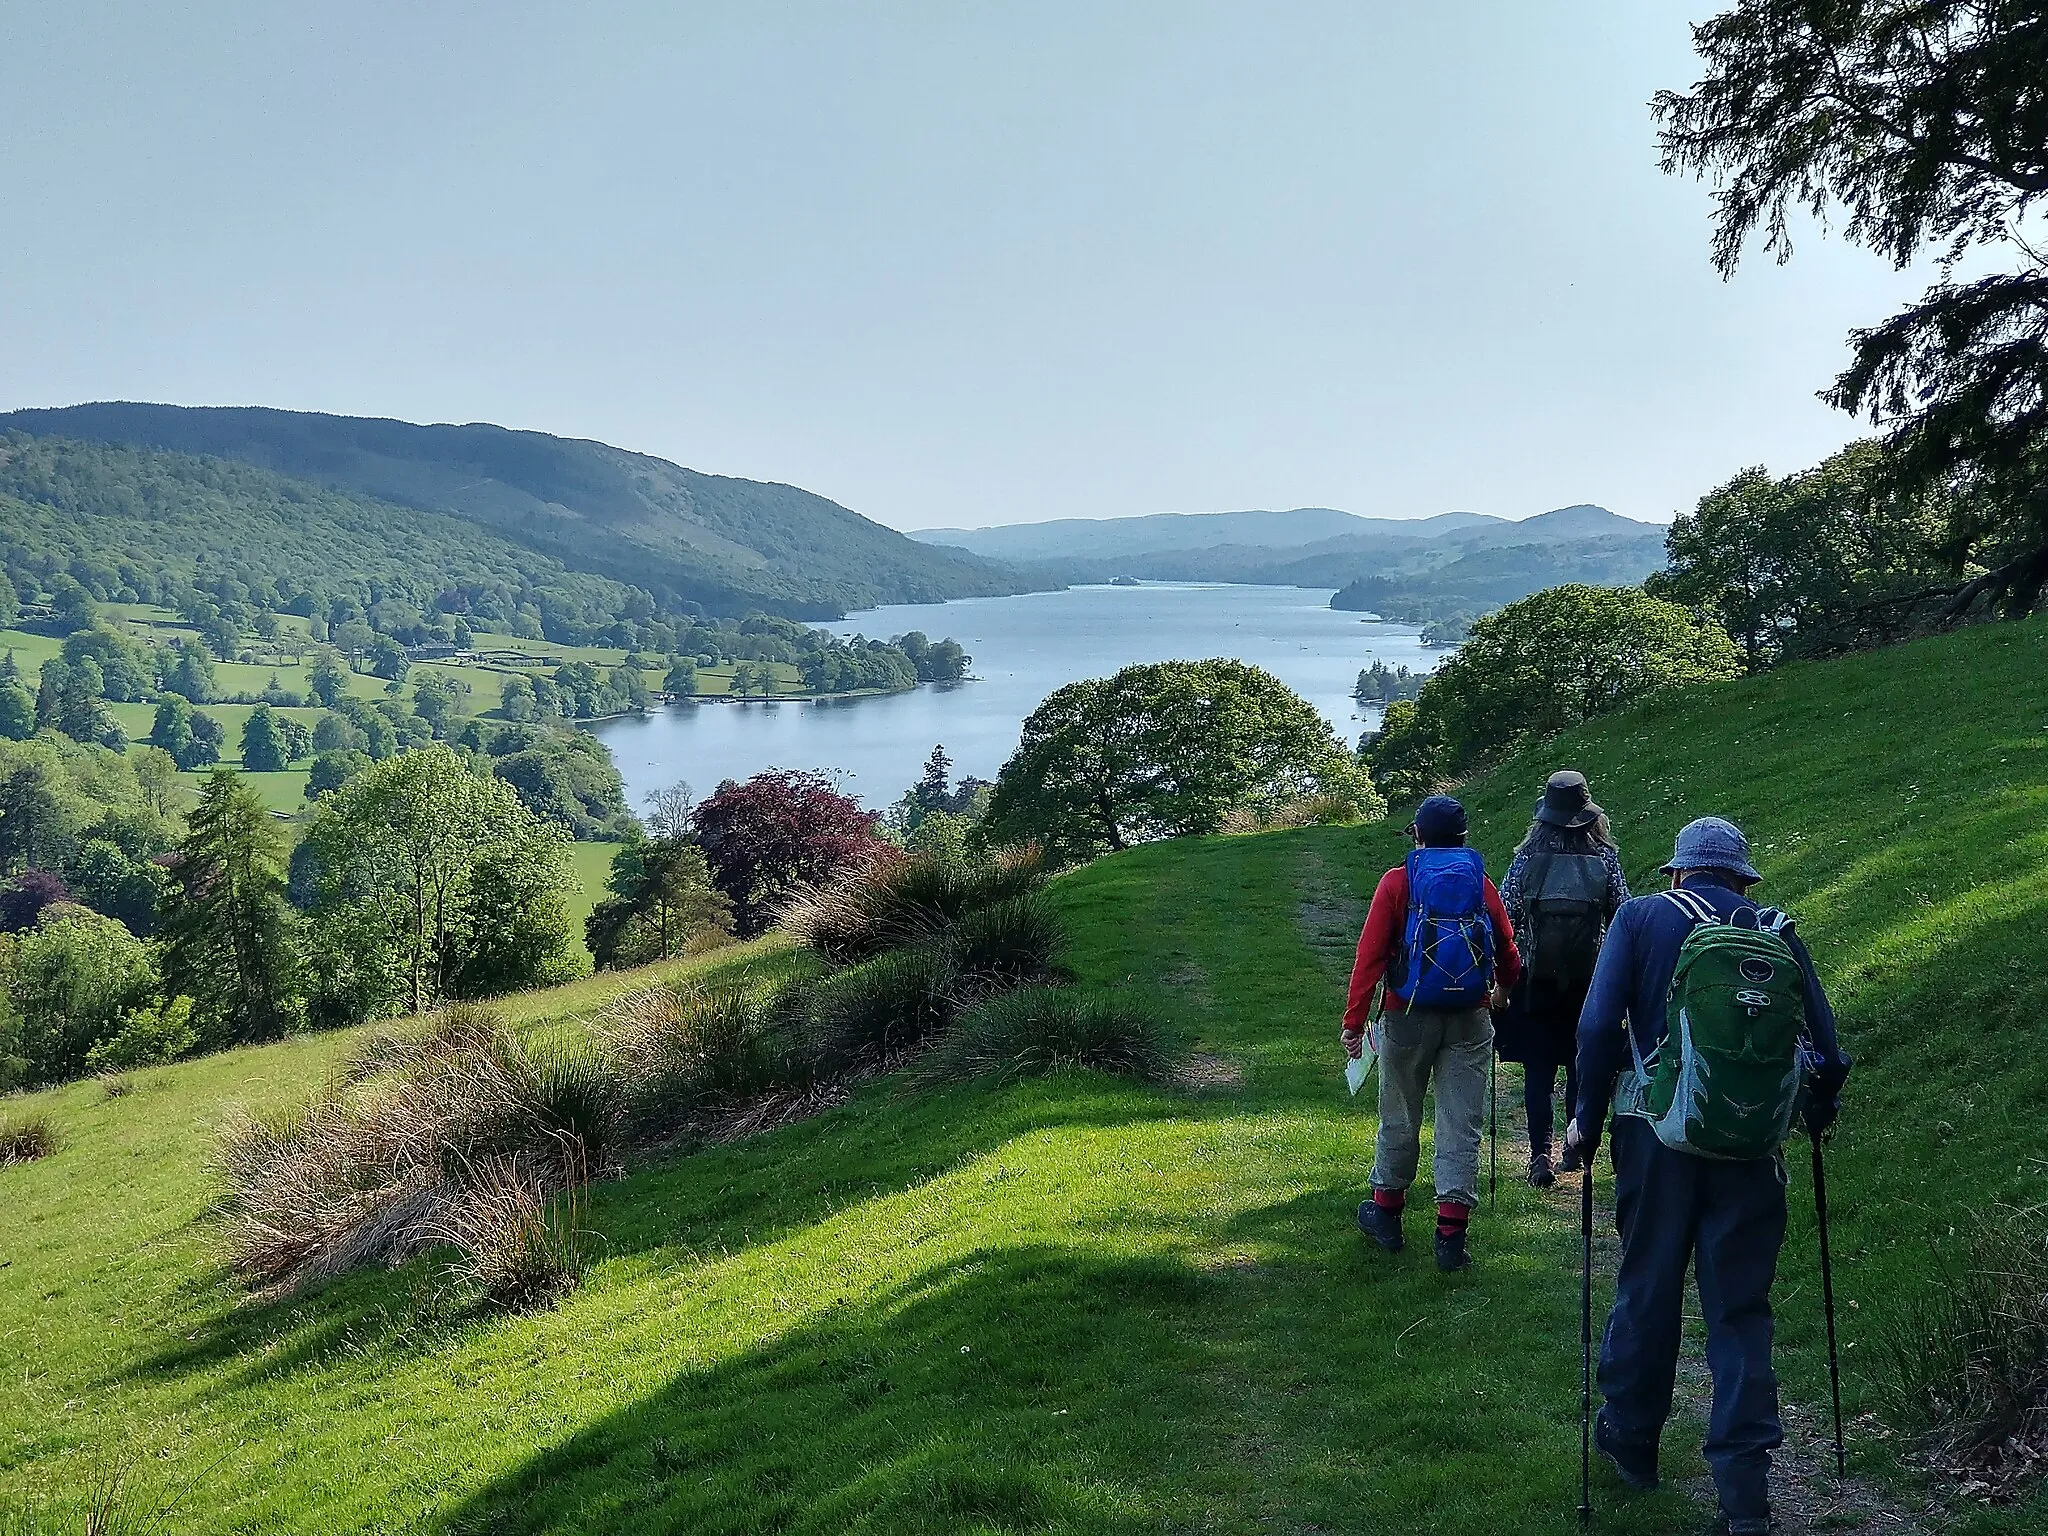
(1073, 1304)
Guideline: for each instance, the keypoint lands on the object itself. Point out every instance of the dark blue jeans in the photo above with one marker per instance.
(1728, 1219)
(1539, 1088)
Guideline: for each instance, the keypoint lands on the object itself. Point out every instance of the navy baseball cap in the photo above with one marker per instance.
(1439, 819)
(1711, 843)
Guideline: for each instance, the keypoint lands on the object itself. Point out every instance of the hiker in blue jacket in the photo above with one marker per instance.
(1726, 1217)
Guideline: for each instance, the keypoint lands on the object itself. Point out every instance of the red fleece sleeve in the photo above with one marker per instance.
(1507, 960)
(1376, 943)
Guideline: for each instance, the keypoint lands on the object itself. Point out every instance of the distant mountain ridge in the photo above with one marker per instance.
(1580, 542)
(1080, 537)
(726, 544)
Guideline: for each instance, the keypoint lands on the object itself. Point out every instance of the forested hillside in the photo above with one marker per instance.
(726, 545)
(137, 524)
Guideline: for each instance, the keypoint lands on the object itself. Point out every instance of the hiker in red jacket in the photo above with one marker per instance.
(1438, 936)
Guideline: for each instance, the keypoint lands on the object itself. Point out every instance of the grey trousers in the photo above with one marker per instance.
(1456, 1048)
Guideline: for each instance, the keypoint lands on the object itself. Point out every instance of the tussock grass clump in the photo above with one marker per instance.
(451, 1030)
(368, 1171)
(870, 1014)
(516, 1240)
(901, 901)
(1007, 944)
(680, 1049)
(25, 1138)
(1964, 1369)
(1040, 1029)
(1327, 809)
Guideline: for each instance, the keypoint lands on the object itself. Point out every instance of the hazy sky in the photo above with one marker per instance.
(947, 263)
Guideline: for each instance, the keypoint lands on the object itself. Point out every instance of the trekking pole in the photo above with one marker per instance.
(1493, 1128)
(1827, 1299)
(1586, 1343)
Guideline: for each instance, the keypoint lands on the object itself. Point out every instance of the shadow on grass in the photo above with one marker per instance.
(714, 1203)
(1022, 1389)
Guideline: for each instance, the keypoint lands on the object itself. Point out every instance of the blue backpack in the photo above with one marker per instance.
(1447, 949)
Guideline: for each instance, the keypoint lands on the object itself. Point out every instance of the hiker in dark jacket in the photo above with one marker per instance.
(1453, 1044)
(1561, 891)
(1726, 1217)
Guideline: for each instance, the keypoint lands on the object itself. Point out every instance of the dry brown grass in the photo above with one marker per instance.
(683, 1051)
(370, 1170)
(902, 901)
(25, 1138)
(518, 1237)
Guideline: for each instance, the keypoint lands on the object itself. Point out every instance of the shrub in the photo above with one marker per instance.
(76, 981)
(1039, 1029)
(872, 1012)
(1965, 1365)
(147, 1037)
(24, 1138)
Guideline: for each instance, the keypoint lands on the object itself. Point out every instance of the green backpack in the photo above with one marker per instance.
(1725, 1081)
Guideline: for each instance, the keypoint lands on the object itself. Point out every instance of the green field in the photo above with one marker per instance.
(1079, 1305)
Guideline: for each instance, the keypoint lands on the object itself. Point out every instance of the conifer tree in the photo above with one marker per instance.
(228, 932)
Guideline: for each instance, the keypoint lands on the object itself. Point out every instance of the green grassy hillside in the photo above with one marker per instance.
(1075, 1304)
(732, 545)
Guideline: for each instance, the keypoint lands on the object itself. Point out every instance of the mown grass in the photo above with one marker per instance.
(1071, 1303)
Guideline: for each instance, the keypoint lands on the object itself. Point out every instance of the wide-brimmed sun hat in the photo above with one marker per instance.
(1711, 843)
(1567, 801)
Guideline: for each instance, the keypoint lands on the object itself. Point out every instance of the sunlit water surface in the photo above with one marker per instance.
(1023, 648)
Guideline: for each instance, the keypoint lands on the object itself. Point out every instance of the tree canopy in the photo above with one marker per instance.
(767, 835)
(426, 879)
(1165, 749)
(1541, 665)
(1925, 123)
(1803, 565)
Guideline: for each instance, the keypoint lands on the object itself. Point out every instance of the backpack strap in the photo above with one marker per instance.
(1699, 913)
(1692, 904)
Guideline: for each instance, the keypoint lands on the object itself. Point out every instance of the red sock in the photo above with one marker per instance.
(1395, 1200)
(1451, 1216)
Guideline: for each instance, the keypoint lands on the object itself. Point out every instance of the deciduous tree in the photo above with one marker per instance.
(396, 870)
(1166, 750)
(776, 831)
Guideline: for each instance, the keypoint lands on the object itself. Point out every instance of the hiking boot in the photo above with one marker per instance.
(1381, 1225)
(1749, 1525)
(1450, 1252)
(1635, 1465)
(1542, 1172)
(1571, 1162)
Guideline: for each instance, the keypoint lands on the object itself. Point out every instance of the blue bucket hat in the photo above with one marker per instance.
(1711, 843)
(1439, 820)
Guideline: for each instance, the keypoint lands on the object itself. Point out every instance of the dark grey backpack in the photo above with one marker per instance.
(1565, 895)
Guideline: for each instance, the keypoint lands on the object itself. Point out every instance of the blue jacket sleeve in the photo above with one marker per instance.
(1832, 1063)
(1602, 1045)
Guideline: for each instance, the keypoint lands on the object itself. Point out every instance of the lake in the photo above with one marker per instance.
(1023, 648)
